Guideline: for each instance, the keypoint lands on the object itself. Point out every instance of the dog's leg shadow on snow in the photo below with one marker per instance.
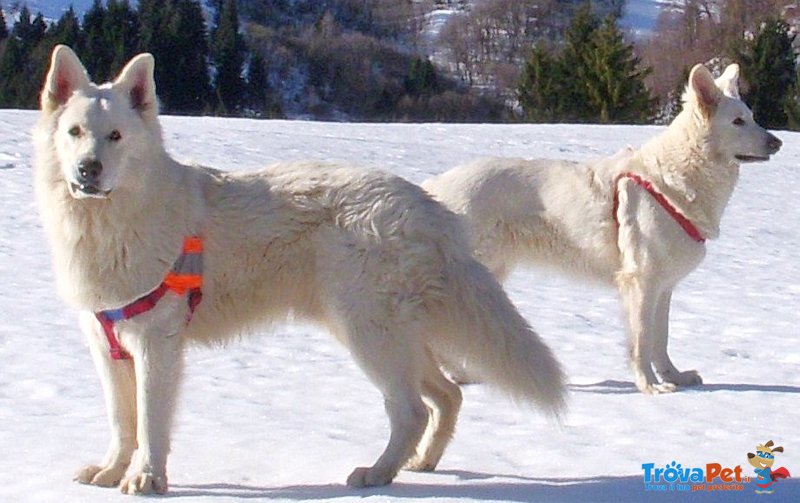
(615, 387)
(467, 485)
(607, 387)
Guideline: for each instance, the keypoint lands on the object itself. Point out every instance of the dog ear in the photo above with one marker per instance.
(704, 90)
(750, 455)
(769, 444)
(137, 80)
(777, 449)
(728, 82)
(66, 75)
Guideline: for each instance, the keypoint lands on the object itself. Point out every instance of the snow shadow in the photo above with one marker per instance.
(484, 487)
(613, 387)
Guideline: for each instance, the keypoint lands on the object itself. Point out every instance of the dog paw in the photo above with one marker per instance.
(420, 464)
(687, 378)
(368, 477)
(99, 476)
(658, 388)
(144, 483)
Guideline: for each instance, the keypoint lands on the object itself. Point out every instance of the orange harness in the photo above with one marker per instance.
(184, 278)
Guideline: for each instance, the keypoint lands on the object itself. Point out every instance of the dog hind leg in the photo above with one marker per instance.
(444, 401)
(393, 362)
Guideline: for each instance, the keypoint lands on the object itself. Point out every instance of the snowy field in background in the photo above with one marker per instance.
(286, 415)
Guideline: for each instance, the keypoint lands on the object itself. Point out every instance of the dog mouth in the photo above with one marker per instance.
(82, 190)
(751, 158)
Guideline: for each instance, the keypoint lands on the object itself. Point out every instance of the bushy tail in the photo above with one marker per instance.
(485, 332)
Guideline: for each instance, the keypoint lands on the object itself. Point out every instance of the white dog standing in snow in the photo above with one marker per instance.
(158, 254)
(638, 220)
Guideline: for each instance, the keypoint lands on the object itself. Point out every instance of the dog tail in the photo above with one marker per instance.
(486, 335)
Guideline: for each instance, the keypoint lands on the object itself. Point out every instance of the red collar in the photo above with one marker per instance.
(676, 215)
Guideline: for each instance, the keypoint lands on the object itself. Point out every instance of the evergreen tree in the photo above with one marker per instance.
(577, 43)
(541, 88)
(38, 29)
(768, 66)
(3, 27)
(153, 38)
(95, 52)
(11, 81)
(229, 51)
(121, 30)
(190, 57)
(422, 79)
(18, 66)
(174, 32)
(613, 80)
(596, 78)
(260, 95)
(27, 31)
(67, 30)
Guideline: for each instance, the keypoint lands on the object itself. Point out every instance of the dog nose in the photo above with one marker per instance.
(774, 143)
(89, 171)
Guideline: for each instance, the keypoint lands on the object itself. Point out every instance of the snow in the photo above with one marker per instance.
(286, 415)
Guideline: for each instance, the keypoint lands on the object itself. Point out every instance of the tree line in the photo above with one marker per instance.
(499, 60)
(199, 70)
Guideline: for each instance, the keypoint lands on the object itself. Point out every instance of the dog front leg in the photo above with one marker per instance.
(119, 391)
(640, 305)
(666, 369)
(159, 365)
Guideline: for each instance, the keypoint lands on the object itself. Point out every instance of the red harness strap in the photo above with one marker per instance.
(676, 215)
(184, 278)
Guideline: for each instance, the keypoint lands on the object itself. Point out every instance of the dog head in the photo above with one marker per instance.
(764, 456)
(100, 133)
(731, 131)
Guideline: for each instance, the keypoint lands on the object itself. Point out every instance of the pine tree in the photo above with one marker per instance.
(768, 66)
(19, 66)
(613, 79)
(38, 29)
(541, 87)
(154, 38)
(260, 95)
(574, 69)
(67, 30)
(228, 53)
(3, 27)
(121, 30)
(27, 31)
(12, 60)
(422, 79)
(187, 30)
(95, 52)
(596, 78)
(174, 32)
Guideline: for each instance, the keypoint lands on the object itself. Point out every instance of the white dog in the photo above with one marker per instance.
(159, 254)
(638, 220)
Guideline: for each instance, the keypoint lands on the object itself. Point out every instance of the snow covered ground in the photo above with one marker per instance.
(285, 415)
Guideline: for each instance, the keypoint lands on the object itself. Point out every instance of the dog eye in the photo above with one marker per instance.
(115, 135)
(738, 121)
(74, 131)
